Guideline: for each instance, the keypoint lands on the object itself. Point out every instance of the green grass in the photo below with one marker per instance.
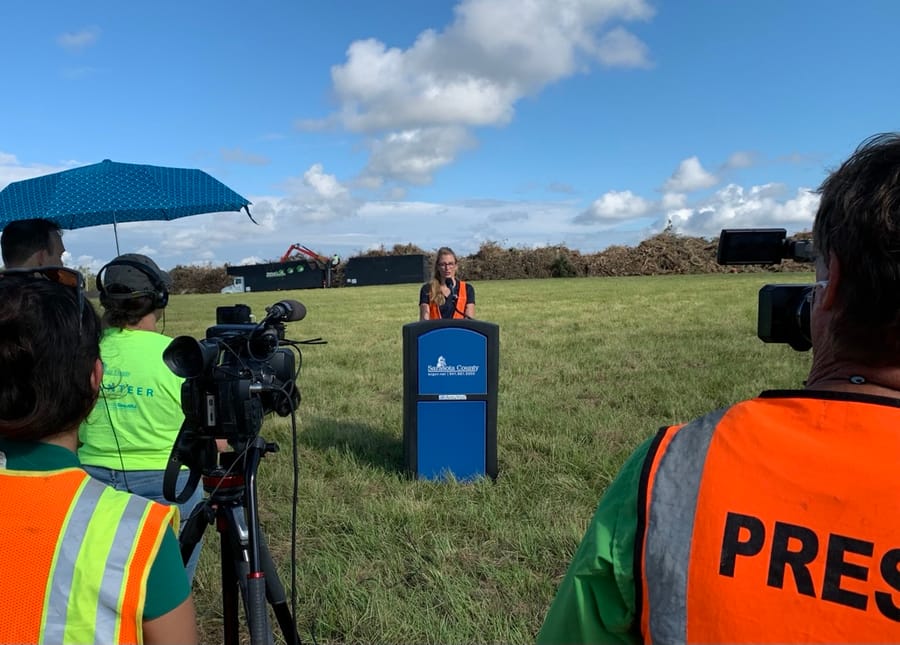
(589, 368)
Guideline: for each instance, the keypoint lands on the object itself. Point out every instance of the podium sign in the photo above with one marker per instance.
(450, 398)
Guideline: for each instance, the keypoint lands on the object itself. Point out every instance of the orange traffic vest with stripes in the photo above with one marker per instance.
(773, 521)
(434, 312)
(75, 555)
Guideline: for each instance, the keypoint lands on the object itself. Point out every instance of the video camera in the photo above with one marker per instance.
(783, 308)
(234, 377)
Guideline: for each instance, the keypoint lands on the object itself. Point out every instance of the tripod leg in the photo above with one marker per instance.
(228, 553)
(276, 596)
(236, 560)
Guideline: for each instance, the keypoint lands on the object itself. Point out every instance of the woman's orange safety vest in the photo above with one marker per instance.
(774, 521)
(74, 558)
(434, 312)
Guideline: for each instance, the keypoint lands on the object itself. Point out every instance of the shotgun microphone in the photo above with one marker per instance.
(285, 311)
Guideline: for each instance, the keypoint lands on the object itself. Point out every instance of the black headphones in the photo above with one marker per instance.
(159, 294)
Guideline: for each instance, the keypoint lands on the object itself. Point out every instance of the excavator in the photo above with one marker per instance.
(303, 251)
(298, 251)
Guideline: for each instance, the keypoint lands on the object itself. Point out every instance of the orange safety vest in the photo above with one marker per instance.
(773, 521)
(434, 312)
(75, 555)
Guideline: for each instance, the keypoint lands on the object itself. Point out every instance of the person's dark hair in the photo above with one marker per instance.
(435, 293)
(47, 356)
(858, 223)
(124, 312)
(22, 238)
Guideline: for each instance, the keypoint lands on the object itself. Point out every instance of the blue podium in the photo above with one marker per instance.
(450, 398)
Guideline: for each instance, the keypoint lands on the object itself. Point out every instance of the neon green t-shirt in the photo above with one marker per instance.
(138, 413)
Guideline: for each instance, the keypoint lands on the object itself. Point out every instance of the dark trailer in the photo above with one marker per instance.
(386, 269)
(279, 276)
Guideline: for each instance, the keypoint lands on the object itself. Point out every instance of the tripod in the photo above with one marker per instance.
(246, 563)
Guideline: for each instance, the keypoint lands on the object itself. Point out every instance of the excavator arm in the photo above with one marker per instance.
(302, 250)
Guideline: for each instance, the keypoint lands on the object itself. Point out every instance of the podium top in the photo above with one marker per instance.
(421, 326)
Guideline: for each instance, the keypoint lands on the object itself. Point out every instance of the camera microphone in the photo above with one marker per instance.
(449, 283)
(285, 311)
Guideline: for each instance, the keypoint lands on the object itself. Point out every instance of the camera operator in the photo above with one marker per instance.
(80, 562)
(127, 439)
(775, 519)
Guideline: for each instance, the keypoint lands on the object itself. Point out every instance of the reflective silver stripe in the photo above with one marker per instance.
(111, 588)
(85, 543)
(670, 526)
(66, 557)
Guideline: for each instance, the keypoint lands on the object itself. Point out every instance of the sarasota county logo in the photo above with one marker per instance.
(442, 368)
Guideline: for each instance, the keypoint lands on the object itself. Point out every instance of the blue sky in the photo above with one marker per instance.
(353, 124)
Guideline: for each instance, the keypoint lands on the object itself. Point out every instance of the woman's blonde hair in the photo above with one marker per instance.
(435, 294)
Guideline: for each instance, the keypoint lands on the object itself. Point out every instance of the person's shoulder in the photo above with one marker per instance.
(152, 338)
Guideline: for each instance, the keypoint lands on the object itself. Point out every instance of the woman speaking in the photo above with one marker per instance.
(444, 296)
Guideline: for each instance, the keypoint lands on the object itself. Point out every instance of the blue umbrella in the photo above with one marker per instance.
(110, 192)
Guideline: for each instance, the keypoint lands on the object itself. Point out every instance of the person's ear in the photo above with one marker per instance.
(97, 376)
(834, 278)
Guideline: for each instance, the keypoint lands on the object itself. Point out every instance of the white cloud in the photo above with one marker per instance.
(494, 53)
(412, 156)
(672, 201)
(621, 48)
(689, 176)
(614, 207)
(253, 259)
(325, 186)
(74, 41)
(11, 169)
(736, 207)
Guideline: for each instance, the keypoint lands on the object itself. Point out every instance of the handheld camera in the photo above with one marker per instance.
(234, 377)
(783, 315)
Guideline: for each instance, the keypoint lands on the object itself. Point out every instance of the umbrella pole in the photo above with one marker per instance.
(116, 234)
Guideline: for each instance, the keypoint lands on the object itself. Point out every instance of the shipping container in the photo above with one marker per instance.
(280, 276)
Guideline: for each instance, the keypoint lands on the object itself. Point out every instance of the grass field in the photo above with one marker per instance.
(589, 368)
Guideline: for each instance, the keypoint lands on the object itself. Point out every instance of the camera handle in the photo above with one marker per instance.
(185, 446)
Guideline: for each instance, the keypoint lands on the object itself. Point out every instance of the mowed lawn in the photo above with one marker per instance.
(589, 368)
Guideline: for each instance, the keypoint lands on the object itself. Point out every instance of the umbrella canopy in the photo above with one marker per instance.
(110, 192)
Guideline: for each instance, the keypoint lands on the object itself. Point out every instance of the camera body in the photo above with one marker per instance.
(784, 309)
(234, 376)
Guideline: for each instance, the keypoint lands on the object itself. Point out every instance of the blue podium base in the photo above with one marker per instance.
(451, 440)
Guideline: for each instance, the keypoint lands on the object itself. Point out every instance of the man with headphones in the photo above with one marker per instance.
(127, 439)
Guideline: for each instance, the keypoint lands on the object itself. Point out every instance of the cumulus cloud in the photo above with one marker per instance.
(672, 201)
(737, 207)
(75, 41)
(11, 169)
(493, 54)
(412, 156)
(614, 207)
(324, 185)
(621, 48)
(689, 176)
(316, 196)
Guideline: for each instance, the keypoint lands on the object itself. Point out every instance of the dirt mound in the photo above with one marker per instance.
(663, 254)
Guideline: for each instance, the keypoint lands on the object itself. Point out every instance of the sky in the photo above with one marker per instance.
(359, 124)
